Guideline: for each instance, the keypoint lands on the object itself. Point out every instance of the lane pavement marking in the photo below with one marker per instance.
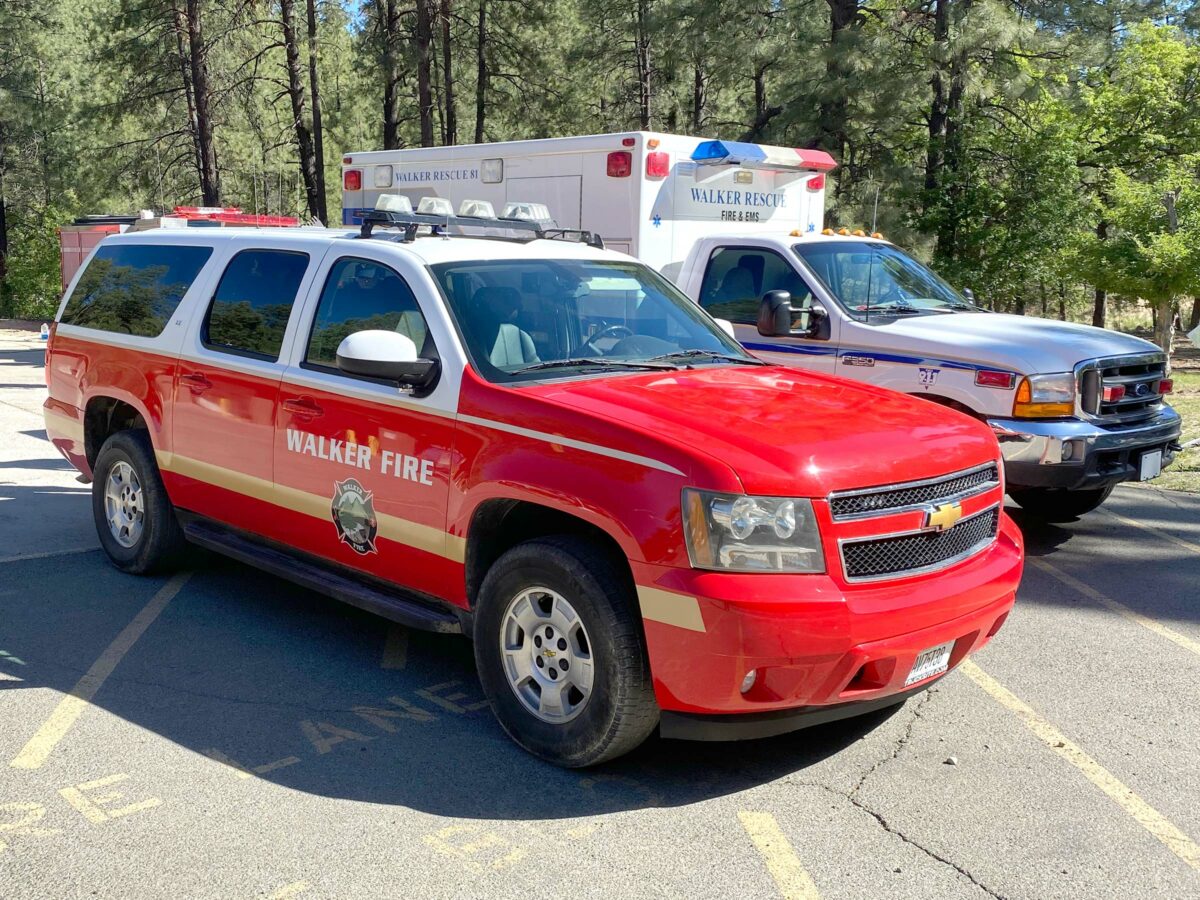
(288, 890)
(50, 554)
(72, 706)
(1141, 811)
(1091, 593)
(793, 881)
(1157, 532)
(395, 648)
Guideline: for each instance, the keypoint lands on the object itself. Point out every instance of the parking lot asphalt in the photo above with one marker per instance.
(221, 733)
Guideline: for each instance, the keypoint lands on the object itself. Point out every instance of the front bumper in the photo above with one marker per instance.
(822, 649)
(1097, 456)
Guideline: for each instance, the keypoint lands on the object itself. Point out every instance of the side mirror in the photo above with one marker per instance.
(388, 356)
(969, 294)
(775, 314)
(727, 327)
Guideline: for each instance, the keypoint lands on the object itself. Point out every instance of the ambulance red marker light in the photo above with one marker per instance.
(620, 164)
(628, 142)
(987, 378)
(352, 180)
(817, 182)
(658, 164)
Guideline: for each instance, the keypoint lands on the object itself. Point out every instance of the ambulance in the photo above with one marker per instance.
(739, 228)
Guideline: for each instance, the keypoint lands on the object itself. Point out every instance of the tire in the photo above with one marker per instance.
(619, 711)
(1051, 505)
(151, 540)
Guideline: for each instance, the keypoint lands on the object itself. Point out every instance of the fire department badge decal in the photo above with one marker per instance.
(354, 516)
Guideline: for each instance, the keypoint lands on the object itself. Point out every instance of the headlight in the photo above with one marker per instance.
(1045, 397)
(736, 533)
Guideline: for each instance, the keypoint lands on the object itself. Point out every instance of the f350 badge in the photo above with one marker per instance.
(354, 516)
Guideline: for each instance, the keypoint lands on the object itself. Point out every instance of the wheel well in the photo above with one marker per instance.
(952, 404)
(104, 417)
(499, 525)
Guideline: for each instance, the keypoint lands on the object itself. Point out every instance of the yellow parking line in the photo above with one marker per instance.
(1157, 532)
(1091, 593)
(72, 706)
(1141, 811)
(395, 648)
(783, 864)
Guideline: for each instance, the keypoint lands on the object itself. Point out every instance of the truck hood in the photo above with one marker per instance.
(786, 432)
(1020, 344)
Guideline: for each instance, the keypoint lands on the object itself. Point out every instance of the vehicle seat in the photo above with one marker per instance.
(493, 314)
(738, 284)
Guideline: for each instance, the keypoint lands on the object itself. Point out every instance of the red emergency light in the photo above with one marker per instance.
(658, 164)
(1166, 385)
(352, 180)
(817, 182)
(620, 164)
(992, 379)
(1113, 393)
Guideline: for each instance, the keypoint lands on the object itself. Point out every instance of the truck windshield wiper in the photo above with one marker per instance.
(709, 354)
(897, 309)
(592, 362)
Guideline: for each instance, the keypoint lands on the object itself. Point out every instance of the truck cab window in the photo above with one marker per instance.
(363, 295)
(250, 310)
(737, 278)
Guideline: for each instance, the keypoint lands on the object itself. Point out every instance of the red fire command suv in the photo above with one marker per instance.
(542, 445)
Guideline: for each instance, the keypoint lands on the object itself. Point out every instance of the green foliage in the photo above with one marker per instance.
(31, 288)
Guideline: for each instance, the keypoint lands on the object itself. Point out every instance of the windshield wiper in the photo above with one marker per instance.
(709, 354)
(591, 362)
(897, 309)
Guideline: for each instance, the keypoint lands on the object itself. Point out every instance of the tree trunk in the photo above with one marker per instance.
(937, 106)
(845, 17)
(423, 40)
(390, 26)
(318, 130)
(481, 71)
(181, 52)
(210, 175)
(699, 95)
(641, 47)
(3, 214)
(1164, 324)
(295, 86)
(1100, 301)
(945, 154)
(763, 114)
(451, 122)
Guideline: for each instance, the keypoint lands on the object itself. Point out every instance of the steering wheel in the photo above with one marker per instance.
(615, 331)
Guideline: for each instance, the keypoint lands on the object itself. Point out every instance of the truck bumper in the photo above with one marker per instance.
(821, 649)
(1096, 456)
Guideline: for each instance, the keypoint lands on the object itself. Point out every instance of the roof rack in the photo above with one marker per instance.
(440, 226)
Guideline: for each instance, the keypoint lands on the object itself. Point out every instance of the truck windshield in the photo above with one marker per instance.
(527, 319)
(878, 281)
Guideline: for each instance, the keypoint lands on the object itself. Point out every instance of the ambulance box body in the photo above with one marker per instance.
(647, 194)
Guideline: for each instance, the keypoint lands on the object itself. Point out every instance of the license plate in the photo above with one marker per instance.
(1150, 465)
(933, 661)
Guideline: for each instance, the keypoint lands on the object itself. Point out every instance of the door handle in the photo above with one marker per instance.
(196, 381)
(304, 407)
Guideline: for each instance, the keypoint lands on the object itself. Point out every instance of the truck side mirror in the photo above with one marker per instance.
(388, 356)
(775, 314)
(969, 295)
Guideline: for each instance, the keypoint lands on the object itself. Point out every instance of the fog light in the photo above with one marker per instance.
(1066, 450)
(748, 681)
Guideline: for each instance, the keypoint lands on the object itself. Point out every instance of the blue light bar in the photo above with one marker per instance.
(728, 152)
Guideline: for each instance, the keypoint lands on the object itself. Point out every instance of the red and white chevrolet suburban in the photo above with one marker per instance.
(546, 446)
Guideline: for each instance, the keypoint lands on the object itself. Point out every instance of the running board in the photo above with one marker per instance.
(398, 606)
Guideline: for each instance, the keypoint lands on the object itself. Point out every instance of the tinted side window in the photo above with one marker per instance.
(362, 295)
(250, 309)
(134, 288)
(736, 280)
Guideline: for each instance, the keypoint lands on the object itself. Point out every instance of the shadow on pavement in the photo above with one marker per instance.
(249, 669)
(29, 358)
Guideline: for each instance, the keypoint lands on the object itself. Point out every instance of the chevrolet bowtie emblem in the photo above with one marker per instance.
(939, 518)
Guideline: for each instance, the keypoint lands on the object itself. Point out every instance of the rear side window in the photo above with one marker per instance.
(249, 312)
(362, 295)
(134, 288)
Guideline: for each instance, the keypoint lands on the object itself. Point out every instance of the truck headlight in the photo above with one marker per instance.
(737, 533)
(1045, 397)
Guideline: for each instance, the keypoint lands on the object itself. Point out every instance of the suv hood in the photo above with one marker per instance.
(786, 432)
(1020, 344)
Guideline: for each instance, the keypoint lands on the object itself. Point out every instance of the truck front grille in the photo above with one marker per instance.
(892, 498)
(920, 551)
(1139, 375)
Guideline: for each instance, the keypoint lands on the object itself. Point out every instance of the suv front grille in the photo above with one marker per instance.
(1139, 375)
(919, 551)
(892, 498)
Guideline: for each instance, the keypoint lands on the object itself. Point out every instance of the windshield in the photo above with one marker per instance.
(879, 281)
(525, 319)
